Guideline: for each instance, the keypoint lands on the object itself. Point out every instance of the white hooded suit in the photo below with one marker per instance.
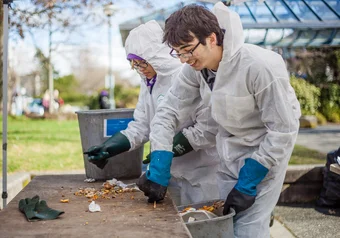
(257, 112)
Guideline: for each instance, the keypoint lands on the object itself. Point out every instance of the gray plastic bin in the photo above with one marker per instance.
(218, 227)
(96, 126)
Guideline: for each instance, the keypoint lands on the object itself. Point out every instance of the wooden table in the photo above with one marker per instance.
(123, 216)
(335, 168)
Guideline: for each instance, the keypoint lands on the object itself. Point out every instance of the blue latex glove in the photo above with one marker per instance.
(159, 168)
(243, 195)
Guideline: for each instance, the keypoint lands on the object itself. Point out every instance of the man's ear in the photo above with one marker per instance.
(212, 39)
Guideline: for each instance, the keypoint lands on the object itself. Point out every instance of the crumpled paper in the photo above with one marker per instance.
(89, 180)
(93, 207)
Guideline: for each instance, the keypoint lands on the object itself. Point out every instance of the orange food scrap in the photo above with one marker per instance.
(211, 208)
(186, 209)
(107, 191)
(207, 208)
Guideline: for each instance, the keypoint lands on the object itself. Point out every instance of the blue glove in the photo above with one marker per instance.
(154, 191)
(155, 181)
(243, 195)
(159, 168)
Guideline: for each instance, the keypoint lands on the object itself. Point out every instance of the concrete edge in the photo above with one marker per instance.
(304, 166)
(15, 183)
(304, 173)
(279, 230)
(57, 172)
(302, 183)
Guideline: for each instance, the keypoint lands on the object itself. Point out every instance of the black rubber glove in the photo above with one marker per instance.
(238, 201)
(99, 154)
(154, 191)
(181, 146)
(243, 195)
(35, 210)
(148, 159)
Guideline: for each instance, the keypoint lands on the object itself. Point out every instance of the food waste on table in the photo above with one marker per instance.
(109, 189)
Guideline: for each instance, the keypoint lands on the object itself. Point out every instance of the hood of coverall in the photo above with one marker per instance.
(253, 100)
(145, 41)
(233, 36)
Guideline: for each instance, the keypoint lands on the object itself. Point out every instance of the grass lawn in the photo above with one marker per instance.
(303, 155)
(41, 145)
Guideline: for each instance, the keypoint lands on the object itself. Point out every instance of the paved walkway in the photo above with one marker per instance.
(305, 220)
(323, 138)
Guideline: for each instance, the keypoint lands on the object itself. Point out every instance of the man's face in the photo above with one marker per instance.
(194, 53)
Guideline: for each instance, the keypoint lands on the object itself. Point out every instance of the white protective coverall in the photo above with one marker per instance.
(257, 112)
(200, 129)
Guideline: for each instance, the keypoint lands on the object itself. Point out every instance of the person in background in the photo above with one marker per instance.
(330, 196)
(248, 90)
(46, 100)
(194, 143)
(104, 102)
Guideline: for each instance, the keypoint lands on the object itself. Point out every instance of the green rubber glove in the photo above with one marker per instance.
(36, 210)
(180, 147)
(147, 159)
(99, 154)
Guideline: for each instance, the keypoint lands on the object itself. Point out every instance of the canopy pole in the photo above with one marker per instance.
(4, 102)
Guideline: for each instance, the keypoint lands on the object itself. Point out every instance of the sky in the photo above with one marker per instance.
(94, 39)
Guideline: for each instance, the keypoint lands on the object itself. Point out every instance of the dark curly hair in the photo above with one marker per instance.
(191, 19)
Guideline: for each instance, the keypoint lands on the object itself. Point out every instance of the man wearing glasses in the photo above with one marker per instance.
(248, 91)
(194, 144)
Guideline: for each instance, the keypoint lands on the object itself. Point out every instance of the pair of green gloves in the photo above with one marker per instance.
(36, 209)
(118, 143)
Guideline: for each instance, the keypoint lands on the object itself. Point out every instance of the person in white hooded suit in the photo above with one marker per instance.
(250, 96)
(194, 143)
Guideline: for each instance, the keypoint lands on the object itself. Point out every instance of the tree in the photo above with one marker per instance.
(88, 72)
(56, 17)
(321, 65)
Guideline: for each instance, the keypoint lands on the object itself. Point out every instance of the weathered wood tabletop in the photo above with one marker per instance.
(127, 215)
(335, 168)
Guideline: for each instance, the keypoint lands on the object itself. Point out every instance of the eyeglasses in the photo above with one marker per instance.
(141, 65)
(184, 55)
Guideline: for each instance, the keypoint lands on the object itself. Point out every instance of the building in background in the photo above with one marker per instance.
(281, 24)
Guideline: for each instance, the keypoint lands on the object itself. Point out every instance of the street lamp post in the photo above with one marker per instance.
(109, 10)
